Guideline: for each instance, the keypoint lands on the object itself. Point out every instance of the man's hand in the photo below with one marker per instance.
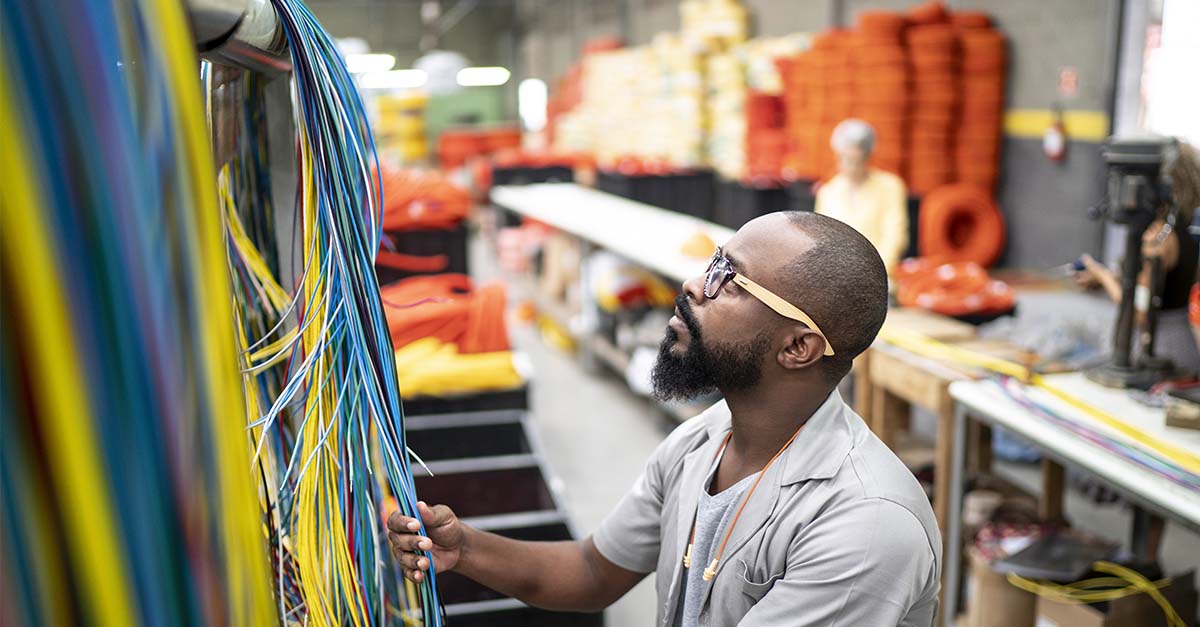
(445, 540)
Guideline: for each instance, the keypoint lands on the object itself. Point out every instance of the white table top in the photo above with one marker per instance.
(986, 401)
(646, 235)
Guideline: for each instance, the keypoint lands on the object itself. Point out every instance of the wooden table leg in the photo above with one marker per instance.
(1050, 507)
(863, 386)
(979, 448)
(943, 459)
(888, 412)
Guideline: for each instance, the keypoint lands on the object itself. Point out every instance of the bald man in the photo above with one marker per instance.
(776, 506)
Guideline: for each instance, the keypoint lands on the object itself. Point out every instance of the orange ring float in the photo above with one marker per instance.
(961, 222)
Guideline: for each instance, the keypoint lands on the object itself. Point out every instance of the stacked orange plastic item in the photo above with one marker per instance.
(984, 59)
(833, 93)
(804, 144)
(937, 94)
(766, 138)
(448, 307)
(420, 201)
(457, 146)
(881, 85)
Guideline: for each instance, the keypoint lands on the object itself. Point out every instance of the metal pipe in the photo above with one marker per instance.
(241, 33)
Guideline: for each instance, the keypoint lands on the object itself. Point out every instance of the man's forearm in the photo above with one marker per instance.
(551, 575)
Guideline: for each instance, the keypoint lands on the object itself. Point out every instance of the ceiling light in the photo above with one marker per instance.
(531, 103)
(482, 76)
(395, 79)
(374, 62)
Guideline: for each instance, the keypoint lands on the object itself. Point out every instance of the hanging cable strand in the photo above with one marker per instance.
(323, 402)
(131, 503)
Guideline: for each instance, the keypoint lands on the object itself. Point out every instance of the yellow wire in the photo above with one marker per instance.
(1071, 593)
(248, 576)
(58, 386)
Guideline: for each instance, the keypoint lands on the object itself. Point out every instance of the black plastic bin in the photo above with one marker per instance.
(426, 243)
(457, 436)
(488, 492)
(516, 398)
(522, 175)
(738, 204)
(689, 193)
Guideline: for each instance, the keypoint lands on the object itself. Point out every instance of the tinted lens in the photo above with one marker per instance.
(718, 274)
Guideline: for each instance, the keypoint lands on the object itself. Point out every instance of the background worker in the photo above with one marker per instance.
(872, 201)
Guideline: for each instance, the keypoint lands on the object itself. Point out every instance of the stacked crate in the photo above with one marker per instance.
(977, 149)
(881, 85)
(936, 97)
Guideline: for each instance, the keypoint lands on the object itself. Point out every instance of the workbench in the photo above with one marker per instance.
(1152, 494)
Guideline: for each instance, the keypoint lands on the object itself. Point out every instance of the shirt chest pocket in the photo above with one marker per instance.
(753, 584)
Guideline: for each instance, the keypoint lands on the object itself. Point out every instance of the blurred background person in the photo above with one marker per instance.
(868, 199)
(1178, 252)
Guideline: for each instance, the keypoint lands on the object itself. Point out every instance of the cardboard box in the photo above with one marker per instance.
(994, 602)
(1133, 611)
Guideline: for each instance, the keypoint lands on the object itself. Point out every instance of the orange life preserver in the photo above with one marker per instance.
(961, 222)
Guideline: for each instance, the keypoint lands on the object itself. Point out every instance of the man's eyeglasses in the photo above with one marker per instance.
(720, 272)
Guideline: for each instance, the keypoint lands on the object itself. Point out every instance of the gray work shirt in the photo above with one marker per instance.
(714, 514)
(838, 532)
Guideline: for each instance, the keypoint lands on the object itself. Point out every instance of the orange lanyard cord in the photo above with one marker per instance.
(711, 571)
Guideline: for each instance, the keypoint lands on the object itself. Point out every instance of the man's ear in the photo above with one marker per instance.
(802, 347)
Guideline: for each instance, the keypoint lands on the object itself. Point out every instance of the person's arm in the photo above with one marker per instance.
(865, 564)
(1095, 272)
(569, 576)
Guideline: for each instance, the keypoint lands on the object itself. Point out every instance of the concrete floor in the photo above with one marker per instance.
(597, 436)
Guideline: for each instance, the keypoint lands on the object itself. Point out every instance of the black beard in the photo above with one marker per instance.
(700, 370)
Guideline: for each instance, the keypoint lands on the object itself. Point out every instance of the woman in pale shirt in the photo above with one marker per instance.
(870, 200)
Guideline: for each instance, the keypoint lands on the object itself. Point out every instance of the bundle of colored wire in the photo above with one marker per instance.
(126, 492)
(1158, 465)
(1142, 446)
(333, 418)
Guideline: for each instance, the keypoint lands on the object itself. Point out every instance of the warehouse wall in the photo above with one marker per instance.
(394, 27)
(1044, 201)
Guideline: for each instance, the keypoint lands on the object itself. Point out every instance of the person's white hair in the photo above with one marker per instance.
(853, 133)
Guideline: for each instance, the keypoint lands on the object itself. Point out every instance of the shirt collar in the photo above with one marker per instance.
(818, 450)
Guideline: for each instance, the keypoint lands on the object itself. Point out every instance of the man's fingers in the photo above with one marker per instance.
(409, 542)
(399, 523)
(413, 561)
(1090, 263)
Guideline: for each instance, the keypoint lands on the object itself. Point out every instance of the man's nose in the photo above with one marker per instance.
(694, 288)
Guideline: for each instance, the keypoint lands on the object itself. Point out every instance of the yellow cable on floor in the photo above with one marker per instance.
(1079, 592)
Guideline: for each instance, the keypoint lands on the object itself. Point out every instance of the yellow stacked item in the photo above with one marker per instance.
(644, 101)
(400, 127)
(430, 367)
(718, 24)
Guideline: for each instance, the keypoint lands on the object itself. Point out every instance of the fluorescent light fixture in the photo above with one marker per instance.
(482, 76)
(372, 62)
(531, 104)
(394, 79)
